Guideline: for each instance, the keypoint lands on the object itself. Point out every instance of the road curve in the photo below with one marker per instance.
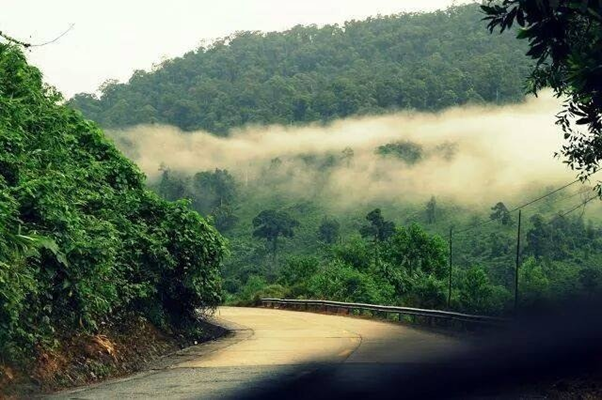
(268, 346)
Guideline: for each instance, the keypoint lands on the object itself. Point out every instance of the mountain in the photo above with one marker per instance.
(423, 61)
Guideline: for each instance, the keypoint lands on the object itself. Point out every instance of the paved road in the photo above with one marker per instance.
(268, 346)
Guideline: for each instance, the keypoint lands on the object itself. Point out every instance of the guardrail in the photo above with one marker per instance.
(326, 306)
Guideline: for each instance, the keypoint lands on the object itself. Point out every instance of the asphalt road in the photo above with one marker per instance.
(270, 346)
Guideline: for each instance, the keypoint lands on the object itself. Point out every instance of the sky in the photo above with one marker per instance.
(112, 38)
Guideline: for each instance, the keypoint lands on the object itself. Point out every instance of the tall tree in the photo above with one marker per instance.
(565, 38)
(414, 250)
(347, 156)
(377, 231)
(431, 211)
(501, 213)
(272, 225)
(214, 189)
(329, 231)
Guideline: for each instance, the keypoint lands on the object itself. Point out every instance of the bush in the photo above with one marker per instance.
(81, 239)
(257, 288)
(341, 282)
(478, 295)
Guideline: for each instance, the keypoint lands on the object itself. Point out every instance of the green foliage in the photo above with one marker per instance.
(431, 211)
(478, 295)
(414, 250)
(409, 152)
(341, 282)
(273, 224)
(378, 229)
(81, 239)
(214, 189)
(213, 194)
(354, 252)
(534, 284)
(298, 270)
(501, 213)
(564, 39)
(257, 288)
(329, 231)
(425, 61)
(589, 279)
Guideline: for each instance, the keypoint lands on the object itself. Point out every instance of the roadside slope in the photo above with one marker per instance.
(272, 345)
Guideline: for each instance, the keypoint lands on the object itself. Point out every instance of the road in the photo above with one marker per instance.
(269, 346)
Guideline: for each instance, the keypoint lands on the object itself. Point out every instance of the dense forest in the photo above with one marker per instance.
(289, 245)
(83, 243)
(423, 61)
(289, 235)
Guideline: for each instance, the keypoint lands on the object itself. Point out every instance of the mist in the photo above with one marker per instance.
(471, 154)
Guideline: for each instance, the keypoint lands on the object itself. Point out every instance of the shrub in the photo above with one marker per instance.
(81, 239)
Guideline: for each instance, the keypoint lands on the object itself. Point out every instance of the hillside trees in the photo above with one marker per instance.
(412, 61)
(329, 231)
(273, 224)
(431, 211)
(82, 242)
(377, 231)
(501, 213)
(564, 40)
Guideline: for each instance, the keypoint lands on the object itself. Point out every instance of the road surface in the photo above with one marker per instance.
(269, 346)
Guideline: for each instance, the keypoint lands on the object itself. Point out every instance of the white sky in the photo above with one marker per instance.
(112, 38)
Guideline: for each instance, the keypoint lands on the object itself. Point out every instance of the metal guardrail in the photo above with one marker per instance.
(416, 312)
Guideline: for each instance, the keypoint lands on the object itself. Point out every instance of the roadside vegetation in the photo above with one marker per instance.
(83, 243)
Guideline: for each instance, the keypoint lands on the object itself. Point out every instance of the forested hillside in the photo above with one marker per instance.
(425, 61)
(84, 245)
(361, 211)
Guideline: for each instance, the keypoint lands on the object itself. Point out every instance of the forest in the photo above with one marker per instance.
(293, 231)
(422, 61)
(336, 162)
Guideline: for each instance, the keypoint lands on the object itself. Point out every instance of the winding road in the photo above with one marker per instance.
(268, 346)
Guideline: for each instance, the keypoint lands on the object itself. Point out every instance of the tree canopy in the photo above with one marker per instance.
(423, 61)
(565, 38)
(82, 241)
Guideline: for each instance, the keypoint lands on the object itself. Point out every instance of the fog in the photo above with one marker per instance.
(470, 154)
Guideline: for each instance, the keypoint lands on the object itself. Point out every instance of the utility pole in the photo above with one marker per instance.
(517, 264)
(451, 255)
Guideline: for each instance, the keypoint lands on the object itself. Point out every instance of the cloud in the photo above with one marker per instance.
(500, 152)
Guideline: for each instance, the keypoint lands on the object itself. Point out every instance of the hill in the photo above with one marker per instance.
(83, 244)
(423, 61)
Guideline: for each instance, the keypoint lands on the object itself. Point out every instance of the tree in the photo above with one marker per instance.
(171, 186)
(347, 156)
(329, 231)
(409, 152)
(377, 231)
(413, 250)
(564, 39)
(213, 189)
(501, 213)
(82, 240)
(534, 285)
(273, 224)
(431, 211)
(475, 290)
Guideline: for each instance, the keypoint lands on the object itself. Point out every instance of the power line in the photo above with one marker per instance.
(583, 204)
(28, 45)
(526, 204)
(545, 196)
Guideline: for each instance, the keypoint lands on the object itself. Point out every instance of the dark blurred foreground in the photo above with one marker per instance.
(549, 354)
